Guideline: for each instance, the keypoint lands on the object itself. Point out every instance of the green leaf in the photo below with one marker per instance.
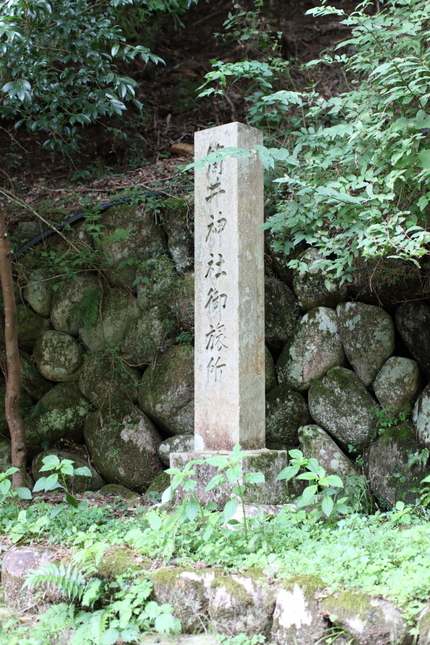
(332, 480)
(23, 493)
(230, 509)
(72, 501)
(254, 478)
(424, 159)
(154, 520)
(327, 505)
(307, 496)
(83, 471)
(192, 509)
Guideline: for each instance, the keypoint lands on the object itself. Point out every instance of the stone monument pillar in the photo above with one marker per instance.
(229, 314)
(229, 288)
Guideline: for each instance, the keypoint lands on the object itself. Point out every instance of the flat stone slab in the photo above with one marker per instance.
(269, 462)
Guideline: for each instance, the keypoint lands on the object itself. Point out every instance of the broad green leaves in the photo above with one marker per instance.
(57, 70)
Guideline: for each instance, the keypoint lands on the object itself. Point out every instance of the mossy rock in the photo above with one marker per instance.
(65, 306)
(342, 406)
(397, 384)
(313, 348)
(281, 312)
(32, 382)
(144, 240)
(270, 372)
(157, 487)
(317, 444)
(286, 411)
(367, 334)
(60, 414)
(30, 327)
(315, 287)
(369, 620)
(123, 444)
(152, 332)
(297, 618)
(413, 324)
(183, 302)
(177, 443)
(166, 392)
(421, 417)
(38, 292)
(386, 464)
(58, 356)
(107, 380)
(118, 309)
(119, 491)
(77, 484)
(176, 218)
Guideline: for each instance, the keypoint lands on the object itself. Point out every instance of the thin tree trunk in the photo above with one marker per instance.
(13, 368)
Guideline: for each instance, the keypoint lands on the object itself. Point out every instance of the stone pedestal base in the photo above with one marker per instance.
(269, 462)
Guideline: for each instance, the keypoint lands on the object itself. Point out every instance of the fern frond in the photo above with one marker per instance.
(68, 580)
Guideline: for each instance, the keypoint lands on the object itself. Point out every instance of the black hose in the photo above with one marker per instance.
(79, 216)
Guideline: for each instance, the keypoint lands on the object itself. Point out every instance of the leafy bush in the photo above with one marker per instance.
(356, 179)
(58, 64)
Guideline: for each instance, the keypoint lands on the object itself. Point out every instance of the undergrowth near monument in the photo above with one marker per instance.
(354, 169)
(385, 554)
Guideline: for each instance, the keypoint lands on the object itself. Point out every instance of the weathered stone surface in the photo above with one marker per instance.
(421, 417)
(5, 462)
(229, 301)
(183, 302)
(340, 404)
(147, 335)
(423, 625)
(119, 491)
(397, 385)
(188, 592)
(78, 484)
(32, 381)
(144, 240)
(60, 414)
(241, 603)
(105, 381)
(58, 356)
(123, 444)
(316, 443)
(166, 392)
(118, 310)
(157, 284)
(313, 348)
(286, 411)
(270, 372)
(371, 621)
(281, 313)
(296, 619)
(157, 487)
(315, 287)
(386, 465)
(65, 312)
(38, 292)
(178, 443)
(25, 405)
(176, 222)
(30, 327)
(17, 562)
(413, 324)
(367, 335)
(269, 462)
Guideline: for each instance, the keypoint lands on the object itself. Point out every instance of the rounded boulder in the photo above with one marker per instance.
(76, 484)
(123, 443)
(342, 406)
(367, 334)
(397, 384)
(313, 348)
(58, 356)
(286, 411)
(166, 392)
